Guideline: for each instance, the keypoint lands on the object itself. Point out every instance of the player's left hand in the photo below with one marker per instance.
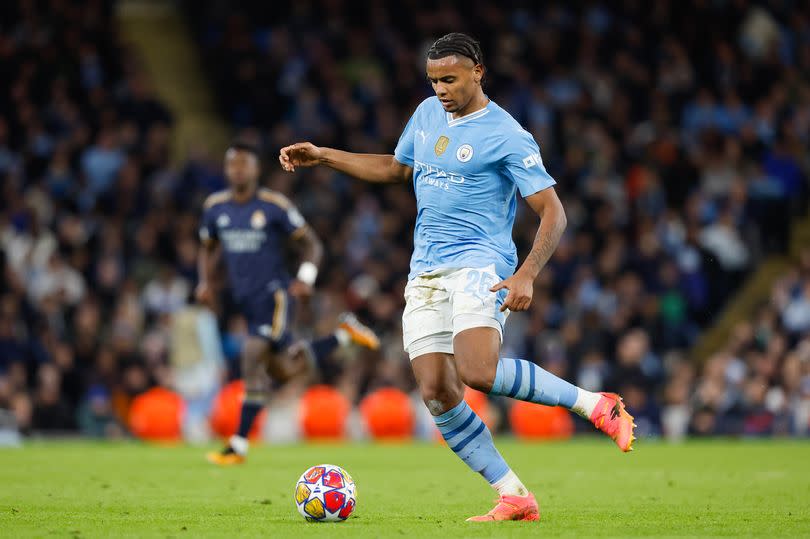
(521, 288)
(299, 289)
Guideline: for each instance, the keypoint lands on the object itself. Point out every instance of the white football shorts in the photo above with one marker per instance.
(442, 303)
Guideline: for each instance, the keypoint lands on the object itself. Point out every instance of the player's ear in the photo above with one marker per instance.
(478, 73)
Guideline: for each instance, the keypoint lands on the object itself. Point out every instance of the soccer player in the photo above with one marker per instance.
(250, 226)
(467, 158)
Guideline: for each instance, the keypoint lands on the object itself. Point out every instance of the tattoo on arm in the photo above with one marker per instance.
(541, 251)
(545, 242)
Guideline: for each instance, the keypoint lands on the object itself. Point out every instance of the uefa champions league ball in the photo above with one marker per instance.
(325, 493)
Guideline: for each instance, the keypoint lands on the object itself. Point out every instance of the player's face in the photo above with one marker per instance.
(455, 79)
(241, 168)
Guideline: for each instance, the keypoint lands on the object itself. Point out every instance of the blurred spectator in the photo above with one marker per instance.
(56, 278)
(166, 293)
(100, 165)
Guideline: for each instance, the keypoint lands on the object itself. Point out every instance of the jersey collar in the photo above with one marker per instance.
(451, 122)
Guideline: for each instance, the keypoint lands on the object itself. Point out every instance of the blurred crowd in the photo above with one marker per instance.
(759, 383)
(92, 255)
(678, 133)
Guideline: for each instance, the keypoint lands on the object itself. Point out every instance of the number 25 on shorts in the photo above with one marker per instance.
(479, 283)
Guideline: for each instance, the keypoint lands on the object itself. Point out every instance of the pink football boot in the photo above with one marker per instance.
(610, 417)
(511, 508)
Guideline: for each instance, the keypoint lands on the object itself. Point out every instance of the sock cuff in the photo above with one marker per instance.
(498, 382)
(502, 476)
(238, 444)
(451, 414)
(343, 337)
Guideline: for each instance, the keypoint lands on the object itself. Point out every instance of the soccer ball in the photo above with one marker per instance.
(325, 493)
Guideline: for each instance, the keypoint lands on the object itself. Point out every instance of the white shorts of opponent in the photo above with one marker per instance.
(442, 303)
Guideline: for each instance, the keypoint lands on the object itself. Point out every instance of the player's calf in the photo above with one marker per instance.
(318, 353)
(465, 433)
(480, 368)
(235, 452)
(257, 384)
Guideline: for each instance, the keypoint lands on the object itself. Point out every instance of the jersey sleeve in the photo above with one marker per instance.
(404, 150)
(290, 220)
(208, 227)
(524, 165)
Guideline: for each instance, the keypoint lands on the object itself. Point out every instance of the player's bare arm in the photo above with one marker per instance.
(207, 261)
(375, 168)
(311, 249)
(546, 204)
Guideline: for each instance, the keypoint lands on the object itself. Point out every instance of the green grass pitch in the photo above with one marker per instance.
(586, 488)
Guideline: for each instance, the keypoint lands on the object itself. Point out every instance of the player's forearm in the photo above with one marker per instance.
(311, 247)
(375, 168)
(207, 262)
(311, 251)
(552, 226)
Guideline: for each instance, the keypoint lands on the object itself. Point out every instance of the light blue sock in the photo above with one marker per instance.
(523, 380)
(471, 440)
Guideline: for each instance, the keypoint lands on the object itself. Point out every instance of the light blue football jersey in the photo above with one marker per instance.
(466, 174)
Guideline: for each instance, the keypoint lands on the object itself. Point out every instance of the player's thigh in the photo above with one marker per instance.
(427, 319)
(269, 315)
(472, 303)
(476, 355)
(438, 381)
(477, 324)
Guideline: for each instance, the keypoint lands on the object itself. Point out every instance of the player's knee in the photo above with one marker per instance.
(476, 377)
(287, 366)
(477, 353)
(439, 398)
(256, 378)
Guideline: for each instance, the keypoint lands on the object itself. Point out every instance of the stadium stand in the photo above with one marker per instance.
(88, 265)
(681, 158)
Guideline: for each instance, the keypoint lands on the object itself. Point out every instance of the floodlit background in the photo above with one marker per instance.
(678, 132)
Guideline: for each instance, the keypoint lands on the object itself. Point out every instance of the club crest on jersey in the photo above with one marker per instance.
(464, 153)
(441, 145)
(258, 220)
(223, 220)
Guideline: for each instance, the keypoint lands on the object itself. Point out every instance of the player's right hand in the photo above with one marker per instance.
(300, 154)
(204, 294)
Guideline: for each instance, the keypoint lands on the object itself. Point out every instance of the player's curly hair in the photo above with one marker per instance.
(456, 43)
